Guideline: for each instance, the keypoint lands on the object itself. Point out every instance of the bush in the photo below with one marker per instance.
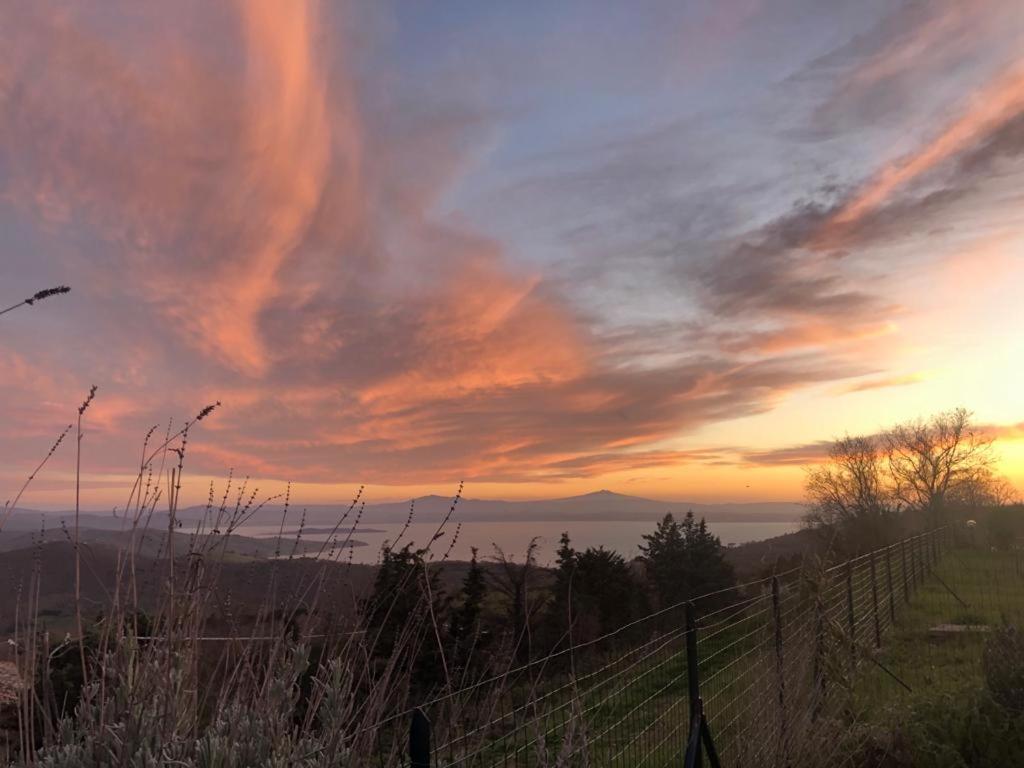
(1003, 665)
(963, 730)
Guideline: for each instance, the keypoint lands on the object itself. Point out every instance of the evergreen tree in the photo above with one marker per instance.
(555, 628)
(565, 570)
(594, 593)
(709, 570)
(604, 594)
(466, 631)
(685, 560)
(405, 609)
(524, 600)
(665, 554)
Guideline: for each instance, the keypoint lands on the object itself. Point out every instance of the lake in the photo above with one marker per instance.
(513, 537)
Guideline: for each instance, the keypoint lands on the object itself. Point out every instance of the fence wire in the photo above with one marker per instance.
(769, 654)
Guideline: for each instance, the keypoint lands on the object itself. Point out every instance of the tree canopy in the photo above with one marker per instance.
(685, 560)
(912, 475)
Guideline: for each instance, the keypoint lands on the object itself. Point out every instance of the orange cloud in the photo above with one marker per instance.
(884, 382)
(1004, 431)
(486, 330)
(129, 140)
(818, 452)
(810, 333)
(240, 223)
(794, 455)
(280, 178)
(999, 102)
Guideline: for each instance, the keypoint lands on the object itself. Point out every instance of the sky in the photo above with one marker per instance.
(667, 249)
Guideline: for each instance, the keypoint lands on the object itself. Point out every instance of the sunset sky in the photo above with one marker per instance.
(545, 248)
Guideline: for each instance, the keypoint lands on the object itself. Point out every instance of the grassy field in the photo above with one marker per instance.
(985, 590)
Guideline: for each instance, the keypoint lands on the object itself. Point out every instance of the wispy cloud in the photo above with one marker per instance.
(808, 454)
(794, 455)
(884, 382)
(253, 208)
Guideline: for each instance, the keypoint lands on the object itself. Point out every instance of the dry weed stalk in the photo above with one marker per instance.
(291, 682)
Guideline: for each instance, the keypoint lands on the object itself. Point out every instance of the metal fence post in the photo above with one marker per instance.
(888, 584)
(693, 670)
(850, 616)
(906, 581)
(779, 666)
(419, 740)
(874, 602)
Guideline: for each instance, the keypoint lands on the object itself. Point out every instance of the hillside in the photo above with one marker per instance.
(151, 542)
(601, 505)
(243, 584)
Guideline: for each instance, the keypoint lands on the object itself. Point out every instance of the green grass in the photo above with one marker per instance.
(992, 593)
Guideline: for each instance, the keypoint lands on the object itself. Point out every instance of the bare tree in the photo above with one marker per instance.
(988, 490)
(937, 463)
(849, 498)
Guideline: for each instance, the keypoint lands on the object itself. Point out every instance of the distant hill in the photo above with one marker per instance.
(601, 505)
(152, 542)
(35, 520)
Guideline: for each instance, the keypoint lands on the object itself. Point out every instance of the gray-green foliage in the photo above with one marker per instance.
(963, 729)
(1003, 664)
(147, 721)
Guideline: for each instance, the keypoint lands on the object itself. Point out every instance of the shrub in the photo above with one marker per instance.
(1003, 665)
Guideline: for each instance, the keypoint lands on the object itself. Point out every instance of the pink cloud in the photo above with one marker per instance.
(240, 222)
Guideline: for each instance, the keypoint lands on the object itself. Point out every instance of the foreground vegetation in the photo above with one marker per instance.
(173, 668)
(960, 652)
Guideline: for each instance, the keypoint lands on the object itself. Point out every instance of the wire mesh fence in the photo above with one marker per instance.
(761, 661)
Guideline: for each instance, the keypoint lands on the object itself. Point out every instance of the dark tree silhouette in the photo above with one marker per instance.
(406, 613)
(849, 497)
(594, 593)
(519, 584)
(468, 635)
(685, 560)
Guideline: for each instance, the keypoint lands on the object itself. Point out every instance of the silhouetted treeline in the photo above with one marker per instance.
(874, 489)
(517, 610)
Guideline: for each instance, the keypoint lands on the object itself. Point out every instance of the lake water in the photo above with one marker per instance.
(513, 537)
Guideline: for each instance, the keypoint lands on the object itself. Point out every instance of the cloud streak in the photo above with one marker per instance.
(252, 209)
(884, 383)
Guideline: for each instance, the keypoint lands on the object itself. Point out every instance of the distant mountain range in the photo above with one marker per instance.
(598, 506)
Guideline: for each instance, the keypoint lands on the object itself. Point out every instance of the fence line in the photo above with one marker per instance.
(755, 670)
